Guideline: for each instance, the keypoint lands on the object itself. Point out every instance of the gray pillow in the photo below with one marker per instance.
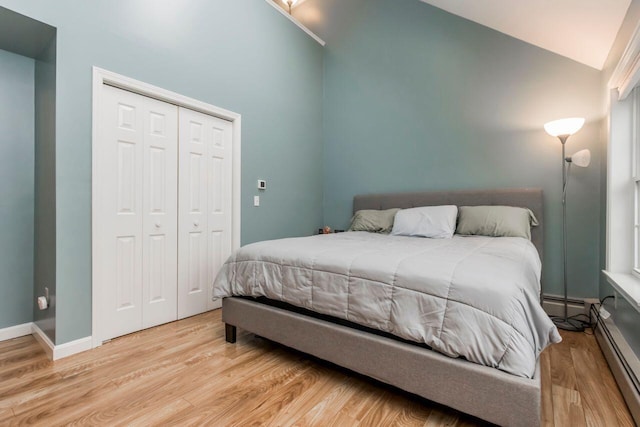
(495, 221)
(374, 221)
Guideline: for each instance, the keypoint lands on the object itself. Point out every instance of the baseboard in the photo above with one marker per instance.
(623, 362)
(554, 306)
(56, 352)
(72, 347)
(47, 345)
(15, 331)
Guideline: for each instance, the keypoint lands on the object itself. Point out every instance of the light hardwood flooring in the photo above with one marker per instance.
(184, 373)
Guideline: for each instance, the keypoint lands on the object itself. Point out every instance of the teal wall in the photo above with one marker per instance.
(45, 187)
(418, 99)
(241, 55)
(16, 188)
(404, 97)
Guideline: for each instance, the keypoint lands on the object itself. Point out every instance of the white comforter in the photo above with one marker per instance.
(471, 297)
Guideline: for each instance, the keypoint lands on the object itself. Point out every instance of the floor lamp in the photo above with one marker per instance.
(563, 129)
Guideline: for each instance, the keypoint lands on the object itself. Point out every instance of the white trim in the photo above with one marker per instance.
(296, 22)
(620, 187)
(57, 352)
(73, 347)
(237, 181)
(627, 285)
(44, 340)
(15, 331)
(626, 75)
(102, 77)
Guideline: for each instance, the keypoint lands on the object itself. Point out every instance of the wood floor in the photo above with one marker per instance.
(184, 373)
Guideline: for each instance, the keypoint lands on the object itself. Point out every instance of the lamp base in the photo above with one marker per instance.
(568, 324)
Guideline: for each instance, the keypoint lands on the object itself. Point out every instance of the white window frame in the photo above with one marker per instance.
(635, 177)
(622, 269)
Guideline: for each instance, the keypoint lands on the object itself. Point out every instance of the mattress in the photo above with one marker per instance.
(471, 297)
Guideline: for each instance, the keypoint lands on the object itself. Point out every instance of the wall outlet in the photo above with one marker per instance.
(256, 200)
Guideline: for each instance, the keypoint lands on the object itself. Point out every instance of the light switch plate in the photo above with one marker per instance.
(256, 200)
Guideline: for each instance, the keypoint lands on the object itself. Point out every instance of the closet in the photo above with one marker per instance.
(164, 210)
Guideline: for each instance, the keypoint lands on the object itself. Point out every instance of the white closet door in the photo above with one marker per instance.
(204, 230)
(160, 224)
(138, 224)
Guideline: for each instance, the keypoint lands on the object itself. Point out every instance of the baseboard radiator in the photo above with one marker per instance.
(622, 360)
(553, 305)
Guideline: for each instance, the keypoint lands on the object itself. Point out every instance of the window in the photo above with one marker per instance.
(623, 175)
(635, 176)
(623, 197)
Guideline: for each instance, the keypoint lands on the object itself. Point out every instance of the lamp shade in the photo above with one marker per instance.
(564, 126)
(582, 158)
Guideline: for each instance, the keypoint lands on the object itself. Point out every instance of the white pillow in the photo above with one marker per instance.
(438, 222)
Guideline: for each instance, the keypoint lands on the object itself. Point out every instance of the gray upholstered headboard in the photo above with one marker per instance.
(522, 197)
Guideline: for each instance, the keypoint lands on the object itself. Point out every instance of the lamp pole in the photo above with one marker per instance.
(564, 322)
(563, 129)
(563, 140)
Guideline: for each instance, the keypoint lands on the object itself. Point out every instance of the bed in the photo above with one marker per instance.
(292, 291)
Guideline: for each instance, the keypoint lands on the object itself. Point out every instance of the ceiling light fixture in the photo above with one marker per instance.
(290, 4)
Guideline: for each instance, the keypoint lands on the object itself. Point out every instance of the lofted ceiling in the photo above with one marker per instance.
(583, 30)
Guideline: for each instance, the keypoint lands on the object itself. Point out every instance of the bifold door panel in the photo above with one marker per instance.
(139, 159)
(204, 208)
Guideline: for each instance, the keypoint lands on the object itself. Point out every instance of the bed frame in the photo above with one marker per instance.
(484, 392)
